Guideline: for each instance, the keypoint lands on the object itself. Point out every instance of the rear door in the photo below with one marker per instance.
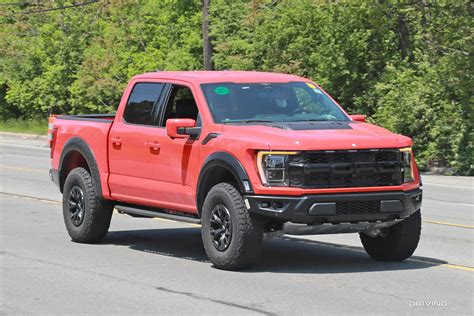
(130, 150)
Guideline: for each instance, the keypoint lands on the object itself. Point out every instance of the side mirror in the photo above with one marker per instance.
(182, 128)
(357, 117)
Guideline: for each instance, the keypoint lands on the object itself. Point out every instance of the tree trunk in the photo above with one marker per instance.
(404, 38)
(207, 46)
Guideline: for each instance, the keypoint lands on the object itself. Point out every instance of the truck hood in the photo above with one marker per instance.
(316, 136)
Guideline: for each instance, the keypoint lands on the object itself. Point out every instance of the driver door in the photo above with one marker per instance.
(176, 166)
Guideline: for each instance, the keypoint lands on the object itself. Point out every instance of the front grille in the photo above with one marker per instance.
(357, 207)
(346, 168)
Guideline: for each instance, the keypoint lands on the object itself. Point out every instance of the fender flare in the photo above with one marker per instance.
(228, 162)
(79, 145)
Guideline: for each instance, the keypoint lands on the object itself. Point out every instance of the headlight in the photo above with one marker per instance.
(407, 167)
(273, 167)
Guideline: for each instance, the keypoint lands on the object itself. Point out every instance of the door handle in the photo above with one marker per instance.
(116, 141)
(153, 145)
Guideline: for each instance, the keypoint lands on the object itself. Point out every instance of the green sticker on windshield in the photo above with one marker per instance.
(221, 90)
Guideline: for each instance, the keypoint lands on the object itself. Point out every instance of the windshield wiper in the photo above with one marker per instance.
(313, 120)
(248, 121)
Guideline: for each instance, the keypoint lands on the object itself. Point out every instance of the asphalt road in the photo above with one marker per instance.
(149, 266)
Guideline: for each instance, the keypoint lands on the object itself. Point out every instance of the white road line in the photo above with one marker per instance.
(24, 169)
(448, 185)
(449, 202)
(23, 146)
(11, 155)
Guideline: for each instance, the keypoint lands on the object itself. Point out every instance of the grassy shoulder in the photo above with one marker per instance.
(27, 126)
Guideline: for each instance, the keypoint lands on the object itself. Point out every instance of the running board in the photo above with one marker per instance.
(147, 213)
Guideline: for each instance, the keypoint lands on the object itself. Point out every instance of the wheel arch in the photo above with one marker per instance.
(76, 153)
(221, 167)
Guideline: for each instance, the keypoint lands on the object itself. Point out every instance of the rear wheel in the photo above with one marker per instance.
(232, 237)
(86, 215)
(395, 243)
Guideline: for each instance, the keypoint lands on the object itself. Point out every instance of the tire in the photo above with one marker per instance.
(397, 243)
(244, 232)
(79, 193)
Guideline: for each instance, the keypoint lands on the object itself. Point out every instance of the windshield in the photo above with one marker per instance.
(270, 102)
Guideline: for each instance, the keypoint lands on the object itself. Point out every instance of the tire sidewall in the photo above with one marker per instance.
(72, 180)
(400, 242)
(209, 204)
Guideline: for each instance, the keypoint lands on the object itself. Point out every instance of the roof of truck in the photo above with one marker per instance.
(221, 76)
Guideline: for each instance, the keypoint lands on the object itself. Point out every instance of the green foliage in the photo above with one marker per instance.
(79, 60)
(408, 66)
(413, 103)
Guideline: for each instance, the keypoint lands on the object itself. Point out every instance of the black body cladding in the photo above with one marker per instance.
(338, 208)
(228, 162)
(73, 146)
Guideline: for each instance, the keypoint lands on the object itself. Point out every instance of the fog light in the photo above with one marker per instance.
(264, 204)
(277, 205)
(416, 199)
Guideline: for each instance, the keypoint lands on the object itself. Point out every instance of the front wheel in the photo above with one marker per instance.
(86, 215)
(232, 237)
(395, 243)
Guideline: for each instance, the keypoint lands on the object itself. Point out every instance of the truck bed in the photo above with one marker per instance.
(92, 129)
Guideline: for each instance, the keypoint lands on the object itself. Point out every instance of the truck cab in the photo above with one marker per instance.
(244, 154)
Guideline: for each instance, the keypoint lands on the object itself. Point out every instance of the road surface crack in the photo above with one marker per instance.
(386, 294)
(192, 295)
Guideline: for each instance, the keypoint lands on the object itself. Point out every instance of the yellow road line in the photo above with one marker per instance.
(446, 265)
(449, 224)
(31, 198)
(456, 266)
(23, 169)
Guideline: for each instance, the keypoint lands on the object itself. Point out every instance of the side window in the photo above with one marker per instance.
(181, 104)
(140, 103)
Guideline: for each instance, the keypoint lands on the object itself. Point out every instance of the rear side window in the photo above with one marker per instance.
(142, 99)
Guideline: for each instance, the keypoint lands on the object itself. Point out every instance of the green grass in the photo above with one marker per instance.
(27, 126)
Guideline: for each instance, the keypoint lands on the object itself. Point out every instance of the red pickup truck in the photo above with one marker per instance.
(246, 155)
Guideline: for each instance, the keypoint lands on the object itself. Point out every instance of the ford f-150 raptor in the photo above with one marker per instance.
(244, 154)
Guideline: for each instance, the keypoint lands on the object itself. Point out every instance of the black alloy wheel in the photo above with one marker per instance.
(76, 205)
(221, 227)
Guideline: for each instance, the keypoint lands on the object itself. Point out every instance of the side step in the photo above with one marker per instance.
(148, 213)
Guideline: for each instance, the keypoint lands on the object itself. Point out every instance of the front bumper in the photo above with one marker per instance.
(337, 208)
